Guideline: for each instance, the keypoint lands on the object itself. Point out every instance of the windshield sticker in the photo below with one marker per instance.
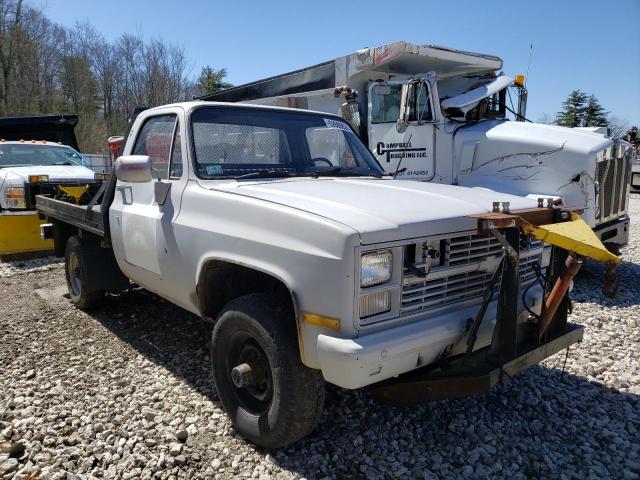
(214, 169)
(336, 124)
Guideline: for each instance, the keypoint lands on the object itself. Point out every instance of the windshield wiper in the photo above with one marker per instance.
(265, 174)
(346, 172)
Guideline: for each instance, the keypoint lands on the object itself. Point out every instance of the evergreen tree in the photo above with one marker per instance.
(594, 114)
(211, 80)
(573, 110)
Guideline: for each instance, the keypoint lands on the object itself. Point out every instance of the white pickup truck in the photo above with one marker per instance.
(280, 227)
(37, 155)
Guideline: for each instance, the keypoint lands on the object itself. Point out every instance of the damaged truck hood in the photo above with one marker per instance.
(530, 159)
(381, 210)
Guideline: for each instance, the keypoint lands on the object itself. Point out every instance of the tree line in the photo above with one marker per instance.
(46, 68)
(581, 109)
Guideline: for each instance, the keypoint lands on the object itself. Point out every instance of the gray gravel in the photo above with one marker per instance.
(125, 393)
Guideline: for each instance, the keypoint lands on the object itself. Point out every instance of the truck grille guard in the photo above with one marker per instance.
(52, 188)
(515, 345)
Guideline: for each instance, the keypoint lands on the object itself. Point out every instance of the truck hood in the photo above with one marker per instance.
(55, 172)
(528, 158)
(382, 210)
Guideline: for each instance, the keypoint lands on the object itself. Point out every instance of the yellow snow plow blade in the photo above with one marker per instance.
(574, 236)
(20, 234)
(76, 191)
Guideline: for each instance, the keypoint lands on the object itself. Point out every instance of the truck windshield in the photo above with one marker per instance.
(25, 154)
(246, 143)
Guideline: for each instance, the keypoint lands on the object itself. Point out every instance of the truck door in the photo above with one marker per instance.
(144, 211)
(412, 141)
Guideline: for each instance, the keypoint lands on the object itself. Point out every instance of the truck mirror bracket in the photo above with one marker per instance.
(160, 191)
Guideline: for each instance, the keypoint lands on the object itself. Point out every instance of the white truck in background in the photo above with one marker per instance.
(38, 155)
(441, 115)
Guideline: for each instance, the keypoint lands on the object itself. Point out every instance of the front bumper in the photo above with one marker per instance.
(475, 376)
(615, 232)
(386, 353)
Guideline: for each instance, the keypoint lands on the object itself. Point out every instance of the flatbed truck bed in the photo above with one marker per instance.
(80, 216)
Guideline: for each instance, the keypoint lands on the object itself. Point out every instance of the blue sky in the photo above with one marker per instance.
(587, 44)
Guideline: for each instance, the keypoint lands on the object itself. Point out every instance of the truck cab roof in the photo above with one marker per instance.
(193, 104)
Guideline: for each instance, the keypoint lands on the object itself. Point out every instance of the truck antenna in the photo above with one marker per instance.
(406, 145)
(526, 78)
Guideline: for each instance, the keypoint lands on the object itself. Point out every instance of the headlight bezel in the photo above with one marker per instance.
(378, 259)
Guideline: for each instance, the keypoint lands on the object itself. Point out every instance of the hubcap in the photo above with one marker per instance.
(74, 274)
(250, 373)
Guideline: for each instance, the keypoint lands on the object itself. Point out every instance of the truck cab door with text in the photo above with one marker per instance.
(412, 143)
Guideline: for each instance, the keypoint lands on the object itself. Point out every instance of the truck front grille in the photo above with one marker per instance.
(613, 176)
(441, 288)
(471, 248)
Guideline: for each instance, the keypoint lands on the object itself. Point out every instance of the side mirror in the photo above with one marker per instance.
(134, 168)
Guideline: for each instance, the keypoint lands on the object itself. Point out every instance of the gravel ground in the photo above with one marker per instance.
(124, 393)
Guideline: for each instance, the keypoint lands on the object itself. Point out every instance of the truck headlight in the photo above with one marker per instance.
(375, 268)
(15, 197)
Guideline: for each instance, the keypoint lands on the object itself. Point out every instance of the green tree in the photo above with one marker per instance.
(594, 114)
(211, 80)
(573, 110)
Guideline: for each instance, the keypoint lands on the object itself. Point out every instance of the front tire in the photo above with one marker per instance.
(83, 292)
(269, 395)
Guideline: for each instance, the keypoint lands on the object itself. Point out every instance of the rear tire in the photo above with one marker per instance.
(78, 256)
(280, 400)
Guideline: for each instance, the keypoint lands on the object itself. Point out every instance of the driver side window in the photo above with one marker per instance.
(155, 140)
(385, 103)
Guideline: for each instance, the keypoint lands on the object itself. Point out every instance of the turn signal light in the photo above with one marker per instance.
(320, 321)
(375, 303)
(38, 178)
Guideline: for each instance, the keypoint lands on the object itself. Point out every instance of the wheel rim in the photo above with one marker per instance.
(257, 391)
(74, 274)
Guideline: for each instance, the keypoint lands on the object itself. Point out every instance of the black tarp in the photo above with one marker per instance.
(52, 128)
(318, 77)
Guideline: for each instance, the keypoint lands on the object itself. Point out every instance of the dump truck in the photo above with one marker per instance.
(37, 155)
(313, 272)
(441, 115)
